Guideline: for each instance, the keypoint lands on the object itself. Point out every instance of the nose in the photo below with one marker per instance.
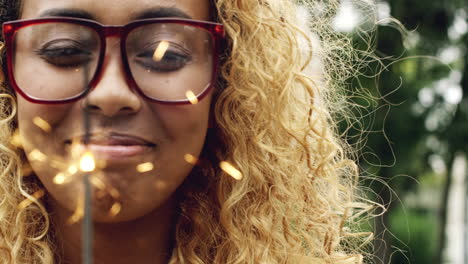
(112, 96)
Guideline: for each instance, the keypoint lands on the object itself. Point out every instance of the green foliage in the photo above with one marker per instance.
(412, 121)
(416, 233)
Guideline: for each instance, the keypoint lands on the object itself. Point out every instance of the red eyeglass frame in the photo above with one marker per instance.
(216, 31)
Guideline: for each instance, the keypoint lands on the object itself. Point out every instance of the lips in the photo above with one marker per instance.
(112, 146)
(115, 139)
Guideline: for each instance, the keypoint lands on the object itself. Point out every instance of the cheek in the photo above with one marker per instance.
(42, 144)
(52, 114)
(37, 125)
(185, 123)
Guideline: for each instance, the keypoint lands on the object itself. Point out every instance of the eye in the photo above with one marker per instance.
(65, 53)
(174, 58)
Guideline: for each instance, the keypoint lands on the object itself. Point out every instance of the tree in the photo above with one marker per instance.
(414, 111)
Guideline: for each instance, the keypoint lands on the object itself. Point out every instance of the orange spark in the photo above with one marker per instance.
(98, 183)
(87, 163)
(114, 193)
(72, 169)
(115, 209)
(229, 169)
(59, 178)
(145, 167)
(192, 97)
(189, 158)
(36, 155)
(16, 139)
(42, 124)
(160, 50)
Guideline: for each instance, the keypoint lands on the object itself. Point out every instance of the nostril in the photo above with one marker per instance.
(109, 110)
(127, 109)
(92, 108)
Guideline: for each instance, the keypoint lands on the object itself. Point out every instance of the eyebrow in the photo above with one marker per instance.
(162, 12)
(158, 12)
(68, 12)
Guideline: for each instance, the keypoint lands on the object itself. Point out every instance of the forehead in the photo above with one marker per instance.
(115, 12)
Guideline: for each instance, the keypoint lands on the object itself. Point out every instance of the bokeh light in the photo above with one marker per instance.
(42, 124)
(160, 50)
(192, 97)
(145, 167)
(189, 158)
(231, 170)
(87, 163)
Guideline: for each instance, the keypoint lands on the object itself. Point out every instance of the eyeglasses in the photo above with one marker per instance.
(59, 60)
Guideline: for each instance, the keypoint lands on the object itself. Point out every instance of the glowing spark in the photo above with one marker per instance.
(229, 169)
(115, 209)
(42, 124)
(72, 169)
(160, 50)
(16, 139)
(59, 178)
(145, 167)
(114, 193)
(192, 97)
(98, 183)
(87, 163)
(37, 155)
(189, 158)
(27, 202)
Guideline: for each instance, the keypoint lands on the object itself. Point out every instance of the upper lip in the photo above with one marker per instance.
(113, 139)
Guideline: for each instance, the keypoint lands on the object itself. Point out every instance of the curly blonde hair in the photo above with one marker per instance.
(275, 120)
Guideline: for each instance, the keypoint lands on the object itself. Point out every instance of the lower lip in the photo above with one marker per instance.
(117, 151)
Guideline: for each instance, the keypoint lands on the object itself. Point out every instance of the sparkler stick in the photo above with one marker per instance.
(87, 225)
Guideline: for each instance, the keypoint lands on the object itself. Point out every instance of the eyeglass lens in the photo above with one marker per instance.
(57, 61)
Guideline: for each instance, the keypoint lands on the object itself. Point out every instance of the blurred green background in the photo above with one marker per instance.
(414, 158)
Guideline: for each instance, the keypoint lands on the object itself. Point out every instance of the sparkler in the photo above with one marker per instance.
(87, 165)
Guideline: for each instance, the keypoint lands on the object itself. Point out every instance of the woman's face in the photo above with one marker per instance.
(126, 129)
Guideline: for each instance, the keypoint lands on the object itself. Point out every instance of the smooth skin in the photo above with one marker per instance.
(142, 231)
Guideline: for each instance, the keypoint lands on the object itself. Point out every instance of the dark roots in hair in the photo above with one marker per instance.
(9, 10)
